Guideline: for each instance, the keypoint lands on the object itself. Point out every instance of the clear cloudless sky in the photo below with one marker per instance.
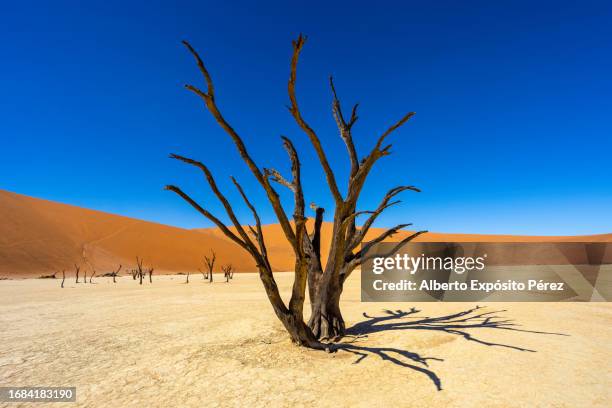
(513, 131)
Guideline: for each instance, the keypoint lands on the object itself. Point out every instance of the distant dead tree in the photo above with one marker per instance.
(93, 270)
(345, 252)
(63, 277)
(187, 277)
(47, 276)
(140, 271)
(115, 273)
(210, 264)
(150, 275)
(204, 274)
(77, 268)
(134, 273)
(227, 272)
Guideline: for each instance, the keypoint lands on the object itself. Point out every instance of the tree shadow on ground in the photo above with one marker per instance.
(456, 324)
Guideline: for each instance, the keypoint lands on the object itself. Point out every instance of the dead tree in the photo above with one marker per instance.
(115, 273)
(204, 274)
(210, 264)
(140, 271)
(150, 275)
(325, 281)
(187, 278)
(228, 273)
(77, 268)
(93, 273)
(63, 277)
(134, 273)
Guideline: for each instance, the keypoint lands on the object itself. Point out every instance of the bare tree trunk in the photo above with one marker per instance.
(227, 272)
(139, 272)
(77, 269)
(93, 273)
(115, 273)
(187, 278)
(63, 277)
(151, 275)
(210, 264)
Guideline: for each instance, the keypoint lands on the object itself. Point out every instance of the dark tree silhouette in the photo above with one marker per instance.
(77, 268)
(115, 273)
(210, 264)
(63, 277)
(228, 272)
(325, 281)
(140, 271)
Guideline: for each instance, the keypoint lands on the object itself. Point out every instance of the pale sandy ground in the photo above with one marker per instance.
(171, 344)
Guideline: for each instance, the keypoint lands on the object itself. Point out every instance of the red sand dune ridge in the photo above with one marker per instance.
(39, 236)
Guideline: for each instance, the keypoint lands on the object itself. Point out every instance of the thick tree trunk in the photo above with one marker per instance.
(299, 332)
(326, 321)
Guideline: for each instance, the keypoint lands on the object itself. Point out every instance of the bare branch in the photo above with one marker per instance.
(220, 196)
(259, 234)
(358, 237)
(296, 182)
(367, 163)
(209, 83)
(275, 175)
(295, 112)
(361, 257)
(208, 215)
(345, 128)
(211, 105)
(386, 234)
(397, 125)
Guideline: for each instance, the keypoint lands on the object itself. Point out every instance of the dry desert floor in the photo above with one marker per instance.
(169, 344)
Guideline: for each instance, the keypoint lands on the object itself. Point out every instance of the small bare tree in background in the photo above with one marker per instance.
(139, 271)
(204, 274)
(63, 277)
(150, 275)
(115, 273)
(93, 273)
(228, 272)
(187, 278)
(210, 264)
(77, 268)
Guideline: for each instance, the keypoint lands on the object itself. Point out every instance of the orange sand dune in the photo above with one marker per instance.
(39, 236)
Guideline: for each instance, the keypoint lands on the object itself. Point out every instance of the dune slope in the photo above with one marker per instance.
(39, 237)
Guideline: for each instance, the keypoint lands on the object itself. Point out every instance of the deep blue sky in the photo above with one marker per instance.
(513, 100)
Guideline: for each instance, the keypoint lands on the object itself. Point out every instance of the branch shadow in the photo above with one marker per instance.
(455, 324)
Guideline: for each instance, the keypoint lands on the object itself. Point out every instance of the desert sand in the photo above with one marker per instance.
(41, 237)
(171, 344)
